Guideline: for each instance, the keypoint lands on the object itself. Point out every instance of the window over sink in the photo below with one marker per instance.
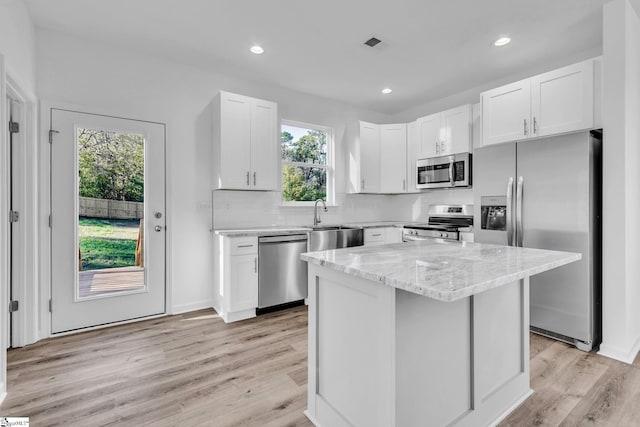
(307, 163)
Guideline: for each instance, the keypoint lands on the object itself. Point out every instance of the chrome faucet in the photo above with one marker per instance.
(316, 218)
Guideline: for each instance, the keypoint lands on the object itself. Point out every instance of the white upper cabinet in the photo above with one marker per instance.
(562, 100)
(506, 113)
(556, 102)
(448, 132)
(393, 158)
(456, 129)
(378, 158)
(429, 136)
(369, 158)
(245, 136)
(413, 139)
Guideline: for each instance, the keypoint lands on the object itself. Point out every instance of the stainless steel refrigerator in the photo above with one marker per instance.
(546, 194)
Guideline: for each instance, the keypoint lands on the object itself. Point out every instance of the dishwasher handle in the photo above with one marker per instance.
(283, 239)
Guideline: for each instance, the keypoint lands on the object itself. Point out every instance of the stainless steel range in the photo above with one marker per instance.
(445, 222)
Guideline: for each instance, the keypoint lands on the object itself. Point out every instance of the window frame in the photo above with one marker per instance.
(329, 166)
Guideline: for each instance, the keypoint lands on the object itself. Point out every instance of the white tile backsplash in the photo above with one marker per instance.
(233, 209)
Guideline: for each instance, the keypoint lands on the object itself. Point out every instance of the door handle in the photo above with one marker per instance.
(510, 241)
(158, 228)
(247, 178)
(362, 187)
(437, 147)
(254, 179)
(526, 129)
(535, 126)
(404, 185)
(519, 225)
(255, 265)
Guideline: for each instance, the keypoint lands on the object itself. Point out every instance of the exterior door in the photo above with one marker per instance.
(107, 220)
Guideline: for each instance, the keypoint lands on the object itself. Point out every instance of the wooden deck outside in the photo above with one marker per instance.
(110, 281)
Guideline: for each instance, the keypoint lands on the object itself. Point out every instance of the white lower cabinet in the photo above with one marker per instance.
(382, 236)
(236, 277)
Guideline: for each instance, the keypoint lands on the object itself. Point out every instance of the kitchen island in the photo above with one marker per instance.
(427, 333)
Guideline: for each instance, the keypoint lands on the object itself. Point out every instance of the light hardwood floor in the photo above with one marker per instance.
(194, 370)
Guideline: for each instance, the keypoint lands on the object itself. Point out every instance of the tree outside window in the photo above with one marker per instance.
(306, 166)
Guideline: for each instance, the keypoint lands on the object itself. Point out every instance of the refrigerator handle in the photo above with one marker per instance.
(519, 225)
(510, 240)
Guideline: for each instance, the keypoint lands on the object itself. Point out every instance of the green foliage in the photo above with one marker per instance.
(106, 243)
(111, 165)
(300, 183)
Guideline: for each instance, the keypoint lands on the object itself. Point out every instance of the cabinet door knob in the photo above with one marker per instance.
(158, 228)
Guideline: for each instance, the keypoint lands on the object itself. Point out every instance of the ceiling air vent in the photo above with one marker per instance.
(372, 42)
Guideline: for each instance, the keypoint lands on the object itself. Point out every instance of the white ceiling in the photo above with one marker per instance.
(430, 48)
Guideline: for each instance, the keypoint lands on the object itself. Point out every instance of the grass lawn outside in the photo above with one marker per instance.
(107, 243)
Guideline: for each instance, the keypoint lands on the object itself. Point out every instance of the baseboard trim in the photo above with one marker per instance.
(512, 408)
(185, 308)
(621, 354)
(310, 418)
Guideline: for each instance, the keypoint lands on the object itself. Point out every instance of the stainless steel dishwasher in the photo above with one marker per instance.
(282, 276)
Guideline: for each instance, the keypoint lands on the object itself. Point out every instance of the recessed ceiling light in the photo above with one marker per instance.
(386, 90)
(257, 49)
(502, 41)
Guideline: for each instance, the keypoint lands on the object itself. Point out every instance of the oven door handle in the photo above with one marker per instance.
(451, 177)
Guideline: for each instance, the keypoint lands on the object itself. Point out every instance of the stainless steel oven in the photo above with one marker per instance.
(444, 172)
(445, 222)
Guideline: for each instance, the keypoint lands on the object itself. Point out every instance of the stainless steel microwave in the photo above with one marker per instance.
(444, 172)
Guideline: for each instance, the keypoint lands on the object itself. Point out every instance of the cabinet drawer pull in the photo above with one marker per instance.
(376, 235)
(245, 246)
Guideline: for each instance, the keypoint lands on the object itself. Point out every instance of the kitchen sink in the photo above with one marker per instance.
(334, 237)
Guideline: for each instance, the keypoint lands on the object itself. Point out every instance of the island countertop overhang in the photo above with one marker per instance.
(444, 271)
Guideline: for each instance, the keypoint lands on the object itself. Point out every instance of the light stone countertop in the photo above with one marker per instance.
(293, 229)
(445, 271)
(262, 231)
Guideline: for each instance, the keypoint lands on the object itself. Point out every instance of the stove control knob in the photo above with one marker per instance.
(445, 235)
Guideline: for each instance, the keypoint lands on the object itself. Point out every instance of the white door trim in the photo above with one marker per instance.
(4, 230)
(25, 330)
(44, 167)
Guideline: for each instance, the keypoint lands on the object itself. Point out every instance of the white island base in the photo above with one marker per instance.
(382, 356)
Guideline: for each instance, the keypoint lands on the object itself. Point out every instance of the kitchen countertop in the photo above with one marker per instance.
(442, 270)
(262, 231)
(292, 229)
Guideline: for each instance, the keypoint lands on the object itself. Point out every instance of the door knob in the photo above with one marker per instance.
(158, 228)
(158, 215)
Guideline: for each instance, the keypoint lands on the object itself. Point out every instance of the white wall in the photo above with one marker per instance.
(111, 79)
(621, 175)
(17, 43)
